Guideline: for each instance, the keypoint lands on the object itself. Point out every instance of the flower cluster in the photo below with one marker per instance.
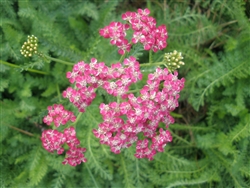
(115, 80)
(53, 140)
(74, 155)
(116, 31)
(87, 77)
(143, 114)
(143, 119)
(30, 47)
(58, 115)
(173, 60)
(144, 31)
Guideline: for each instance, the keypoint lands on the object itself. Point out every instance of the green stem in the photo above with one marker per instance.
(17, 66)
(118, 99)
(180, 138)
(152, 64)
(77, 118)
(133, 91)
(122, 57)
(20, 130)
(58, 92)
(58, 60)
(91, 175)
(175, 115)
(150, 56)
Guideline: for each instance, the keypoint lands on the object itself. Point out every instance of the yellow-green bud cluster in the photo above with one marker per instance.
(30, 47)
(173, 60)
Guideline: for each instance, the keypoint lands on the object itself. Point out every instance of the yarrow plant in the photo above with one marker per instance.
(132, 118)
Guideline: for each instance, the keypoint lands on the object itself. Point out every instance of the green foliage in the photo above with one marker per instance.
(210, 145)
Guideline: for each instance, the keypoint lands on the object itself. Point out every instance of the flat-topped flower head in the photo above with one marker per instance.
(53, 140)
(58, 115)
(137, 116)
(144, 31)
(142, 114)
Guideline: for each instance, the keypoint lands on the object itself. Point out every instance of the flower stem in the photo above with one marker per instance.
(58, 60)
(133, 91)
(118, 99)
(77, 118)
(150, 57)
(20, 130)
(152, 64)
(58, 92)
(122, 57)
(17, 66)
(180, 138)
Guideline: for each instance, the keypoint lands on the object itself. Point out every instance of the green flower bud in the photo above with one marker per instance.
(30, 46)
(173, 60)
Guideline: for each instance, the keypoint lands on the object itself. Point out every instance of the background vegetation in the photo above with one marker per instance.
(210, 145)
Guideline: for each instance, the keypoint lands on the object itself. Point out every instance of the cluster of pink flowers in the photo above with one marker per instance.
(147, 115)
(117, 32)
(115, 80)
(74, 155)
(87, 77)
(143, 114)
(144, 31)
(58, 115)
(53, 140)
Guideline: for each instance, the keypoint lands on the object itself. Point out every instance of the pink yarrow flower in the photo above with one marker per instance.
(53, 140)
(144, 31)
(122, 121)
(143, 115)
(58, 115)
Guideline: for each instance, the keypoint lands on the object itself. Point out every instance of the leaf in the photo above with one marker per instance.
(4, 84)
(3, 68)
(242, 130)
(38, 172)
(88, 9)
(51, 89)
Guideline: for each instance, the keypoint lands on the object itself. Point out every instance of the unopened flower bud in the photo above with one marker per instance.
(30, 46)
(173, 60)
